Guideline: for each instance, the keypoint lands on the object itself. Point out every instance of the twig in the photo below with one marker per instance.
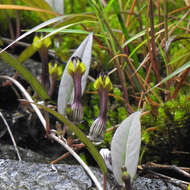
(65, 155)
(169, 170)
(11, 135)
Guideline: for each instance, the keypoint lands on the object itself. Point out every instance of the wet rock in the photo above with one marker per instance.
(22, 175)
(143, 183)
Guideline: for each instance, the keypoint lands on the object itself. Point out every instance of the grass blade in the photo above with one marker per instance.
(177, 71)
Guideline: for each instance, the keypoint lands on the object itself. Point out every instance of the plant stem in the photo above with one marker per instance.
(153, 48)
(45, 71)
(103, 93)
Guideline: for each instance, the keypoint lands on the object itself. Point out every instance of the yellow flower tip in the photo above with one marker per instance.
(55, 69)
(98, 82)
(76, 65)
(81, 67)
(38, 42)
(46, 42)
(104, 82)
(71, 68)
(108, 83)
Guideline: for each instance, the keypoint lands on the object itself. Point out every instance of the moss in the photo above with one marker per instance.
(168, 130)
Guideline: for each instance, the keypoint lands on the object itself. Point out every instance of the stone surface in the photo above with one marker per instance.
(23, 175)
(143, 183)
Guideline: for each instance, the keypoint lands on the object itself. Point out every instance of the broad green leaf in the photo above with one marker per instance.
(25, 74)
(92, 149)
(125, 146)
(66, 90)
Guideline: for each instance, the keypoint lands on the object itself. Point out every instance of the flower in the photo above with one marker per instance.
(76, 69)
(55, 71)
(76, 66)
(97, 130)
(38, 42)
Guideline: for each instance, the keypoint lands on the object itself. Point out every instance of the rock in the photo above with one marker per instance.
(23, 175)
(8, 152)
(144, 183)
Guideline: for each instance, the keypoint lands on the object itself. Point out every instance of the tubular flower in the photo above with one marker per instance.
(97, 130)
(76, 69)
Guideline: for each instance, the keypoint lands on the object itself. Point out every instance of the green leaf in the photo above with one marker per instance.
(125, 146)
(27, 53)
(108, 6)
(92, 149)
(136, 36)
(72, 31)
(57, 30)
(25, 74)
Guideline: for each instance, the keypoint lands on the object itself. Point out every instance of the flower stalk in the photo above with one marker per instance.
(97, 130)
(42, 46)
(76, 69)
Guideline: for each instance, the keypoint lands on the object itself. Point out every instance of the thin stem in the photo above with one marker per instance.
(52, 86)
(103, 102)
(166, 39)
(77, 87)
(17, 22)
(105, 180)
(45, 70)
(11, 135)
(159, 17)
(153, 48)
(122, 81)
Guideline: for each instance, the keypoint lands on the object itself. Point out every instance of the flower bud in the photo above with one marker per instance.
(97, 130)
(77, 112)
